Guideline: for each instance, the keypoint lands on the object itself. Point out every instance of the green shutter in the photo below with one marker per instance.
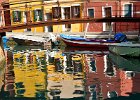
(40, 15)
(34, 11)
(19, 16)
(13, 16)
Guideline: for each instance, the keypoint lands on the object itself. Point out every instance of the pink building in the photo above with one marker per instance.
(102, 80)
(129, 82)
(112, 8)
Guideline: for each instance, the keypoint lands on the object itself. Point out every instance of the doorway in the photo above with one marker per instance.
(66, 15)
(27, 19)
(48, 16)
(108, 14)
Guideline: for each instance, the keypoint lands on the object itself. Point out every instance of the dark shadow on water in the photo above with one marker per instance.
(132, 96)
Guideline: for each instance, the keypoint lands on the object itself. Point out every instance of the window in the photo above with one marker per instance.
(0, 18)
(16, 16)
(129, 74)
(128, 10)
(109, 68)
(37, 15)
(66, 15)
(91, 13)
(112, 94)
(92, 65)
(28, 29)
(75, 11)
(56, 11)
(92, 90)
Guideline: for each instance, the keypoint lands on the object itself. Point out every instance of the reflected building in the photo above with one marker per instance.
(9, 76)
(2, 56)
(30, 74)
(26, 76)
(129, 73)
(129, 82)
(65, 77)
(99, 84)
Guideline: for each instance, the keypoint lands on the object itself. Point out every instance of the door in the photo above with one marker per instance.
(128, 10)
(27, 19)
(107, 12)
(66, 15)
(48, 16)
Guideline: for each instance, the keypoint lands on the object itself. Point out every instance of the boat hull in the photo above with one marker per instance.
(127, 64)
(130, 51)
(27, 42)
(93, 45)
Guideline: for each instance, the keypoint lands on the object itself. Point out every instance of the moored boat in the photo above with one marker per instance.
(8, 42)
(36, 39)
(75, 41)
(29, 39)
(126, 49)
(127, 64)
(85, 44)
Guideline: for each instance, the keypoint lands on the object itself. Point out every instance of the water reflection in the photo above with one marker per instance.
(58, 74)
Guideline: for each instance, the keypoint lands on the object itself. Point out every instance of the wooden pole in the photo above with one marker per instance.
(86, 30)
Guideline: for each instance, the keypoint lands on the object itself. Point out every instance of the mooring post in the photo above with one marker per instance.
(115, 27)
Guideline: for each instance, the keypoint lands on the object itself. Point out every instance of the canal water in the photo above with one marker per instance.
(35, 73)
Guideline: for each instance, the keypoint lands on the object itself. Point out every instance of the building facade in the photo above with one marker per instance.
(102, 79)
(26, 12)
(63, 9)
(53, 10)
(3, 14)
(112, 8)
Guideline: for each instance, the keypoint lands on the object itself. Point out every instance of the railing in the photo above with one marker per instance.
(25, 15)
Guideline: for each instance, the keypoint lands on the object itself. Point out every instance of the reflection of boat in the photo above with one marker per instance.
(86, 52)
(85, 42)
(128, 64)
(25, 47)
(79, 49)
(126, 49)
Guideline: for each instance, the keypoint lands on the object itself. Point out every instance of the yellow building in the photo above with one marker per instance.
(64, 9)
(26, 11)
(44, 10)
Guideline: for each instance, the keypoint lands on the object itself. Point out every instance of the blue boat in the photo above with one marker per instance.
(119, 37)
(8, 42)
(78, 38)
(76, 41)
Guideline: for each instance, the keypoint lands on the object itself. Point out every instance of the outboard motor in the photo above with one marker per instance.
(120, 37)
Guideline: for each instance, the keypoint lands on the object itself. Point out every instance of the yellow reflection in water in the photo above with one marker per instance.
(66, 83)
(27, 68)
(2, 58)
